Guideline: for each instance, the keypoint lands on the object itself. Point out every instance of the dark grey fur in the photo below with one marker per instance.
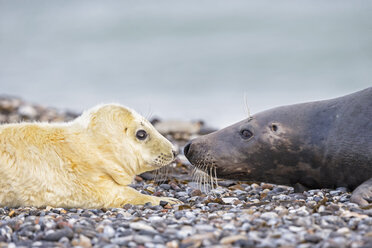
(323, 144)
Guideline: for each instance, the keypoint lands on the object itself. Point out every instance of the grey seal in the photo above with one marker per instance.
(322, 144)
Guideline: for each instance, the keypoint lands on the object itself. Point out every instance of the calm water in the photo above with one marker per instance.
(184, 59)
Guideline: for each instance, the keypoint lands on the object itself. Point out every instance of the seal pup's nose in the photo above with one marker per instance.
(187, 148)
(175, 153)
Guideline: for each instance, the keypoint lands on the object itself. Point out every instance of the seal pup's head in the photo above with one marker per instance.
(127, 138)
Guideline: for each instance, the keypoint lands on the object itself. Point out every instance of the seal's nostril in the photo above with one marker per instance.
(187, 148)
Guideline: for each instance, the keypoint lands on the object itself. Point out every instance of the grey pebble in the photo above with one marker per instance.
(58, 234)
(165, 186)
(108, 231)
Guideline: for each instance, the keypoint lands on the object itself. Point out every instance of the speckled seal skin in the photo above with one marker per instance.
(88, 162)
(322, 144)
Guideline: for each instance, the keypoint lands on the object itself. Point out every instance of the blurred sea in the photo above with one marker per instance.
(184, 59)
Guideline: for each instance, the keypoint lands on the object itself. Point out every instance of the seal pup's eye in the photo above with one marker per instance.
(141, 134)
(246, 134)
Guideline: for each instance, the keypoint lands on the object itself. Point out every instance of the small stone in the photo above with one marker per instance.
(156, 220)
(269, 215)
(108, 231)
(231, 239)
(141, 226)
(246, 227)
(158, 239)
(165, 186)
(343, 230)
(226, 183)
(178, 215)
(142, 239)
(172, 244)
(11, 213)
(312, 238)
(58, 234)
(185, 232)
(229, 227)
(228, 216)
(196, 192)
(229, 200)
(84, 241)
(122, 241)
(334, 192)
(198, 238)
(182, 194)
(267, 186)
(190, 215)
(295, 229)
(254, 186)
(27, 111)
(174, 186)
(204, 228)
(63, 211)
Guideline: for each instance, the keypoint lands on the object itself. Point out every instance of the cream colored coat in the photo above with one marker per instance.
(86, 163)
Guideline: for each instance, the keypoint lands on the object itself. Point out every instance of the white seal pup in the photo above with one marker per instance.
(87, 163)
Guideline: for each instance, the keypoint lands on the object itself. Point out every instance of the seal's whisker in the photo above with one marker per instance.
(205, 180)
(211, 177)
(199, 180)
(215, 176)
(247, 110)
(195, 175)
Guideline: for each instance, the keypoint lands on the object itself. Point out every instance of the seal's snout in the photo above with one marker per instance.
(194, 151)
(187, 148)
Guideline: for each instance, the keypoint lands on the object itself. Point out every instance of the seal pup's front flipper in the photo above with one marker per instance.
(362, 195)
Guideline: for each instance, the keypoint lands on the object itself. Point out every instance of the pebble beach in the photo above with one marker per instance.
(232, 214)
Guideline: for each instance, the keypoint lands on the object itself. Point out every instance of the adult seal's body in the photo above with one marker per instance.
(316, 144)
(87, 163)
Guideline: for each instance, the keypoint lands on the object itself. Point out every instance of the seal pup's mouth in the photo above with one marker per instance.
(162, 167)
(163, 160)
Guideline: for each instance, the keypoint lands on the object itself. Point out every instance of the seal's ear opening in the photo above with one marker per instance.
(274, 127)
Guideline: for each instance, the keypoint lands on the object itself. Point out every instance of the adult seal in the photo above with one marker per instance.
(322, 144)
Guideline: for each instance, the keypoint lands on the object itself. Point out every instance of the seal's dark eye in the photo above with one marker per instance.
(141, 134)
(246, 134)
